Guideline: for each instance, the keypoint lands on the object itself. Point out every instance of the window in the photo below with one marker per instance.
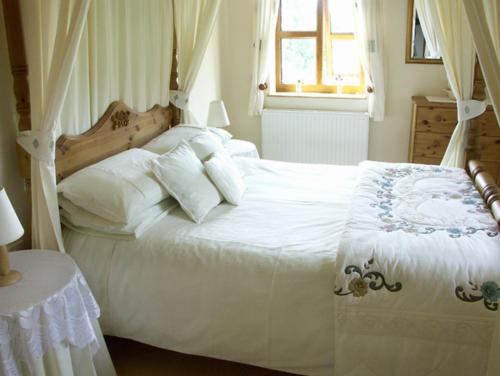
(315, 48)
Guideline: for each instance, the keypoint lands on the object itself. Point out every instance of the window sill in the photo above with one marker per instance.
(316, 95)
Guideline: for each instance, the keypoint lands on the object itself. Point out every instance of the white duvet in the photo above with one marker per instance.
(253, 283)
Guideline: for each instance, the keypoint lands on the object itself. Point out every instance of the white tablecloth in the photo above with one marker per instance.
(48, 320)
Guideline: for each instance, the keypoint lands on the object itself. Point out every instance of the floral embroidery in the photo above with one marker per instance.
(465, 193)
(367, 279)
(489, 292)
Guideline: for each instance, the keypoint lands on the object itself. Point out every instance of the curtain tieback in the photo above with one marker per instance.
(39, 144)
(179, 99)
(469, 109)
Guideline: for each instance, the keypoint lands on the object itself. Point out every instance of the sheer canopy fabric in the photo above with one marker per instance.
(427, 29)
(125, 54)
(484, 20)
(194, 23)
(52, 31)
(265, 18)
(78, 66)
(368, 32)
(457, 50)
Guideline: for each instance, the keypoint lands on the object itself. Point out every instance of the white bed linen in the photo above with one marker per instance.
(253, 283)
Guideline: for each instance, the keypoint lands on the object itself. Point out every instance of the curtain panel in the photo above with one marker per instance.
(125, 54)
(265, 18)
(427, 28)
(194, 24)
(78, 66)
(52, 32)
(368, 32)
(484, 20)
(454, 38)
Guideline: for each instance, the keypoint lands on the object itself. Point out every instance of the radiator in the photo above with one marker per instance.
(315, 136)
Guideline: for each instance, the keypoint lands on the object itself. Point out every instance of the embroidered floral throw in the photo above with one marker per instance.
(417, 284)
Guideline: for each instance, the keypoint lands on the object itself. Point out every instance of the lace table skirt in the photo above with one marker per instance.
(63, 319)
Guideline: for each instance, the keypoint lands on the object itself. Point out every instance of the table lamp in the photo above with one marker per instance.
(10, 230)
(217, 114)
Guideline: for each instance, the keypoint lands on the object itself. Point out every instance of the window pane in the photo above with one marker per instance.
(345, 62)
(298, 15)
(341, 16)
(298, 60)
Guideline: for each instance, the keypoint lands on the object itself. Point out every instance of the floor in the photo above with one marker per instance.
(136, 359)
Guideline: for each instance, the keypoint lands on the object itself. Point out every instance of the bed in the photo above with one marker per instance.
(271, 282)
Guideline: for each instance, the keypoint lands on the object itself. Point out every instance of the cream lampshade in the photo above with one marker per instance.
(10, 230)
(217, 114)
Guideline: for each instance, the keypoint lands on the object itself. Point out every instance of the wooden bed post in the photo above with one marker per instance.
(19, 68)
(174, 75)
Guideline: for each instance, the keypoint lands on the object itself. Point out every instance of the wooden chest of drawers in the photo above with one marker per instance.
(432, 126)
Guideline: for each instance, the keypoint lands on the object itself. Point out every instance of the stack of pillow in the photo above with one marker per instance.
(126, 194)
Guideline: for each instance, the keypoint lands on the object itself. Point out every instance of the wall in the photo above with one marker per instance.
(9, 173)
(388, 139)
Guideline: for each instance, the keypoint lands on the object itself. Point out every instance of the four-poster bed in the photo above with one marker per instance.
(218, 289)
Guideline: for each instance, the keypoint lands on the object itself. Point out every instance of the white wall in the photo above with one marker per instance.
(9, 173)
(388, 139)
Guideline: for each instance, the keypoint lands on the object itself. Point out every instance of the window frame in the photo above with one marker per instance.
(322, 33)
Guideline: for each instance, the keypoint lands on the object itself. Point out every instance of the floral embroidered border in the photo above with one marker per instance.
(358, 287)
(385, 197)
(489, 293)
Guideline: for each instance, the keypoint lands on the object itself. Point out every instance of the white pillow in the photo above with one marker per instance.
(183, 175)
(226, 176)
(170, 139)
(81, 220)
(205, 144)
(223, 135)
(117, 188)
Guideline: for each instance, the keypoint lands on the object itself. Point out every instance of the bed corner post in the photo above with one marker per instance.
(19, 69)
(174, 76)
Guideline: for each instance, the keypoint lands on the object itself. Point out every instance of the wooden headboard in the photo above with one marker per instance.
(119, 129)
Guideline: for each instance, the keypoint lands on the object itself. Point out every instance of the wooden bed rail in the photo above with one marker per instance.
(486, 186)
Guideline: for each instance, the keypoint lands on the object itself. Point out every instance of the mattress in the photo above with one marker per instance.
(252, 284)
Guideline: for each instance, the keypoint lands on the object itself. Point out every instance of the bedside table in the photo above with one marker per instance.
(48, 320)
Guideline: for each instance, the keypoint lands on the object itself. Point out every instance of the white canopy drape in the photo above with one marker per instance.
(368, 32)
(427, 29)
(52, 32)
(125, 54)
(265, 18)
(457, 50)
(194, 23)
(484, 21)
(78, 66)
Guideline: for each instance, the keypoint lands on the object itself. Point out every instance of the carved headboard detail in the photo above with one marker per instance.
(119, 129)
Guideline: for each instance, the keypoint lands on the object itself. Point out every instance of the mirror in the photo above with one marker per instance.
(417, 50)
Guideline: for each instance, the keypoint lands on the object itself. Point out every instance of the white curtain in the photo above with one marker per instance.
(368, 32)
(427, 28)
(265, 18)
(52, 31)
(78, 66)
(194, 23)
(125, 54)
(484, 21)
(457, 50)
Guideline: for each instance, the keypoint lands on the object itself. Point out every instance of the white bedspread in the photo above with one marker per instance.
(418, 275)
(253, 284)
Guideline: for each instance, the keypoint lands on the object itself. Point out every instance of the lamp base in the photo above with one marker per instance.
(12, 277)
